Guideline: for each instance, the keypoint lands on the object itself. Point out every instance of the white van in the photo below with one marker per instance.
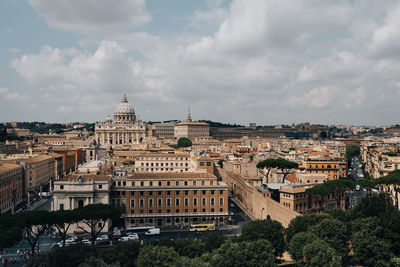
(153, 231)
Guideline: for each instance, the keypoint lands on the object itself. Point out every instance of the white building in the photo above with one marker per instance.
(125, 129)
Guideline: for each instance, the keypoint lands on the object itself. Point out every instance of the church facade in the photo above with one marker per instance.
(124, 129)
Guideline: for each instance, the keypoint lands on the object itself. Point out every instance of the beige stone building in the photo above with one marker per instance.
(164, 163)
(171, 198)
(74, 191)
(11, 186)
(191, 129)
(40, 170)
(125, 129)
(334, 169)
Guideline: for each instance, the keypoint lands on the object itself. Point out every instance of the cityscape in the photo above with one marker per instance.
(199, 133)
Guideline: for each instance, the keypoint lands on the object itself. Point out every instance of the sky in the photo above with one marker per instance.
(238, 61)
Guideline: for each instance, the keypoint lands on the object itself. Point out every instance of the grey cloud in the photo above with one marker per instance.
(92, 15)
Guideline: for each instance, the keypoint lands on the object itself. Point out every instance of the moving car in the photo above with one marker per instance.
(153, 231)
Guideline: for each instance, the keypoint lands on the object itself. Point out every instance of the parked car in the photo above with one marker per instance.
(86, 241)
(130, 237)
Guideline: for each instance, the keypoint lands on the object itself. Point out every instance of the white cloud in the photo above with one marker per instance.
(92, 15)
(6, 95)
(386, 38)
(267, 61)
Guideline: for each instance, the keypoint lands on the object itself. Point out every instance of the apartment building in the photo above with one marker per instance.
(11, 186)
(296, 198)
(334, 169)
(179, 198)
(164, 163)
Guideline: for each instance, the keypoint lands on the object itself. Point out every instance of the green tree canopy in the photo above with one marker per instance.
(266, 229)
(320, 254)
(242, 254)
(283, 165)
(370, 250)
(184, 142)
(334, 233)
(124, 254)
(297, 244)
(302, 223)
(151, 256)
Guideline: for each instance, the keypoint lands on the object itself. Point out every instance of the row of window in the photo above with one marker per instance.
(177, 211)
(145, 158)
(161, 164)
(177, 192)
(162, 183)
(168, 202)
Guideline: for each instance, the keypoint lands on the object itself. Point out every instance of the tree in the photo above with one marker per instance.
(70, 256)
(370, 250)
(334, 233)
(124, 254)
(302, 223)
(320, 254)
(255, 253)
(189, 262)
(96, 262)
(189, 247)
(184, 142)
(62, 220)
(266, 229)
(319, 191)
(367, 184)
(392, 183)
(337, 188)
(94, 217)
(351, 152)
(283, 165)
(35, 223)
(373, 205)
(10, 230)
(213, 241)
(150, 256)
(297, 244)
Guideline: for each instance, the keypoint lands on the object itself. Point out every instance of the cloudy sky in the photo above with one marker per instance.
(239, 61)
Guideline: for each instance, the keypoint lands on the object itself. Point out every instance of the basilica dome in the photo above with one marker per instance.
(124, 111)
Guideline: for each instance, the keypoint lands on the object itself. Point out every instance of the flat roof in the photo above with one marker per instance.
(5, 166)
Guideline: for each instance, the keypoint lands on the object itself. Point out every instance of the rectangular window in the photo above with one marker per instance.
(168, 202)
(221, 201)
(203, 201)
(168, 183)
(61, 206)
(186, 202)
(177, 202)
(150, 202)
(159, 202)
(100, 186)
(132, 203)
(177, 183)
(159, 183)
(61, 187)
(212, 201)
(141, 202)
(194, 201)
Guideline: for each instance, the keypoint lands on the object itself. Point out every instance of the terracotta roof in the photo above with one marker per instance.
(152, 155)
(292, 178)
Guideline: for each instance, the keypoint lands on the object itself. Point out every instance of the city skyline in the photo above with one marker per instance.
(268, 62)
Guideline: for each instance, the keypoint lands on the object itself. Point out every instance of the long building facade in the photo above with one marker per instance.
(124, 129)
(159, 199)
(11, 186)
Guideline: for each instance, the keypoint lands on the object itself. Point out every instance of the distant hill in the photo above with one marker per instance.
(215, 124)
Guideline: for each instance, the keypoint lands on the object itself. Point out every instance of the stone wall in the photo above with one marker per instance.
(256, 203)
